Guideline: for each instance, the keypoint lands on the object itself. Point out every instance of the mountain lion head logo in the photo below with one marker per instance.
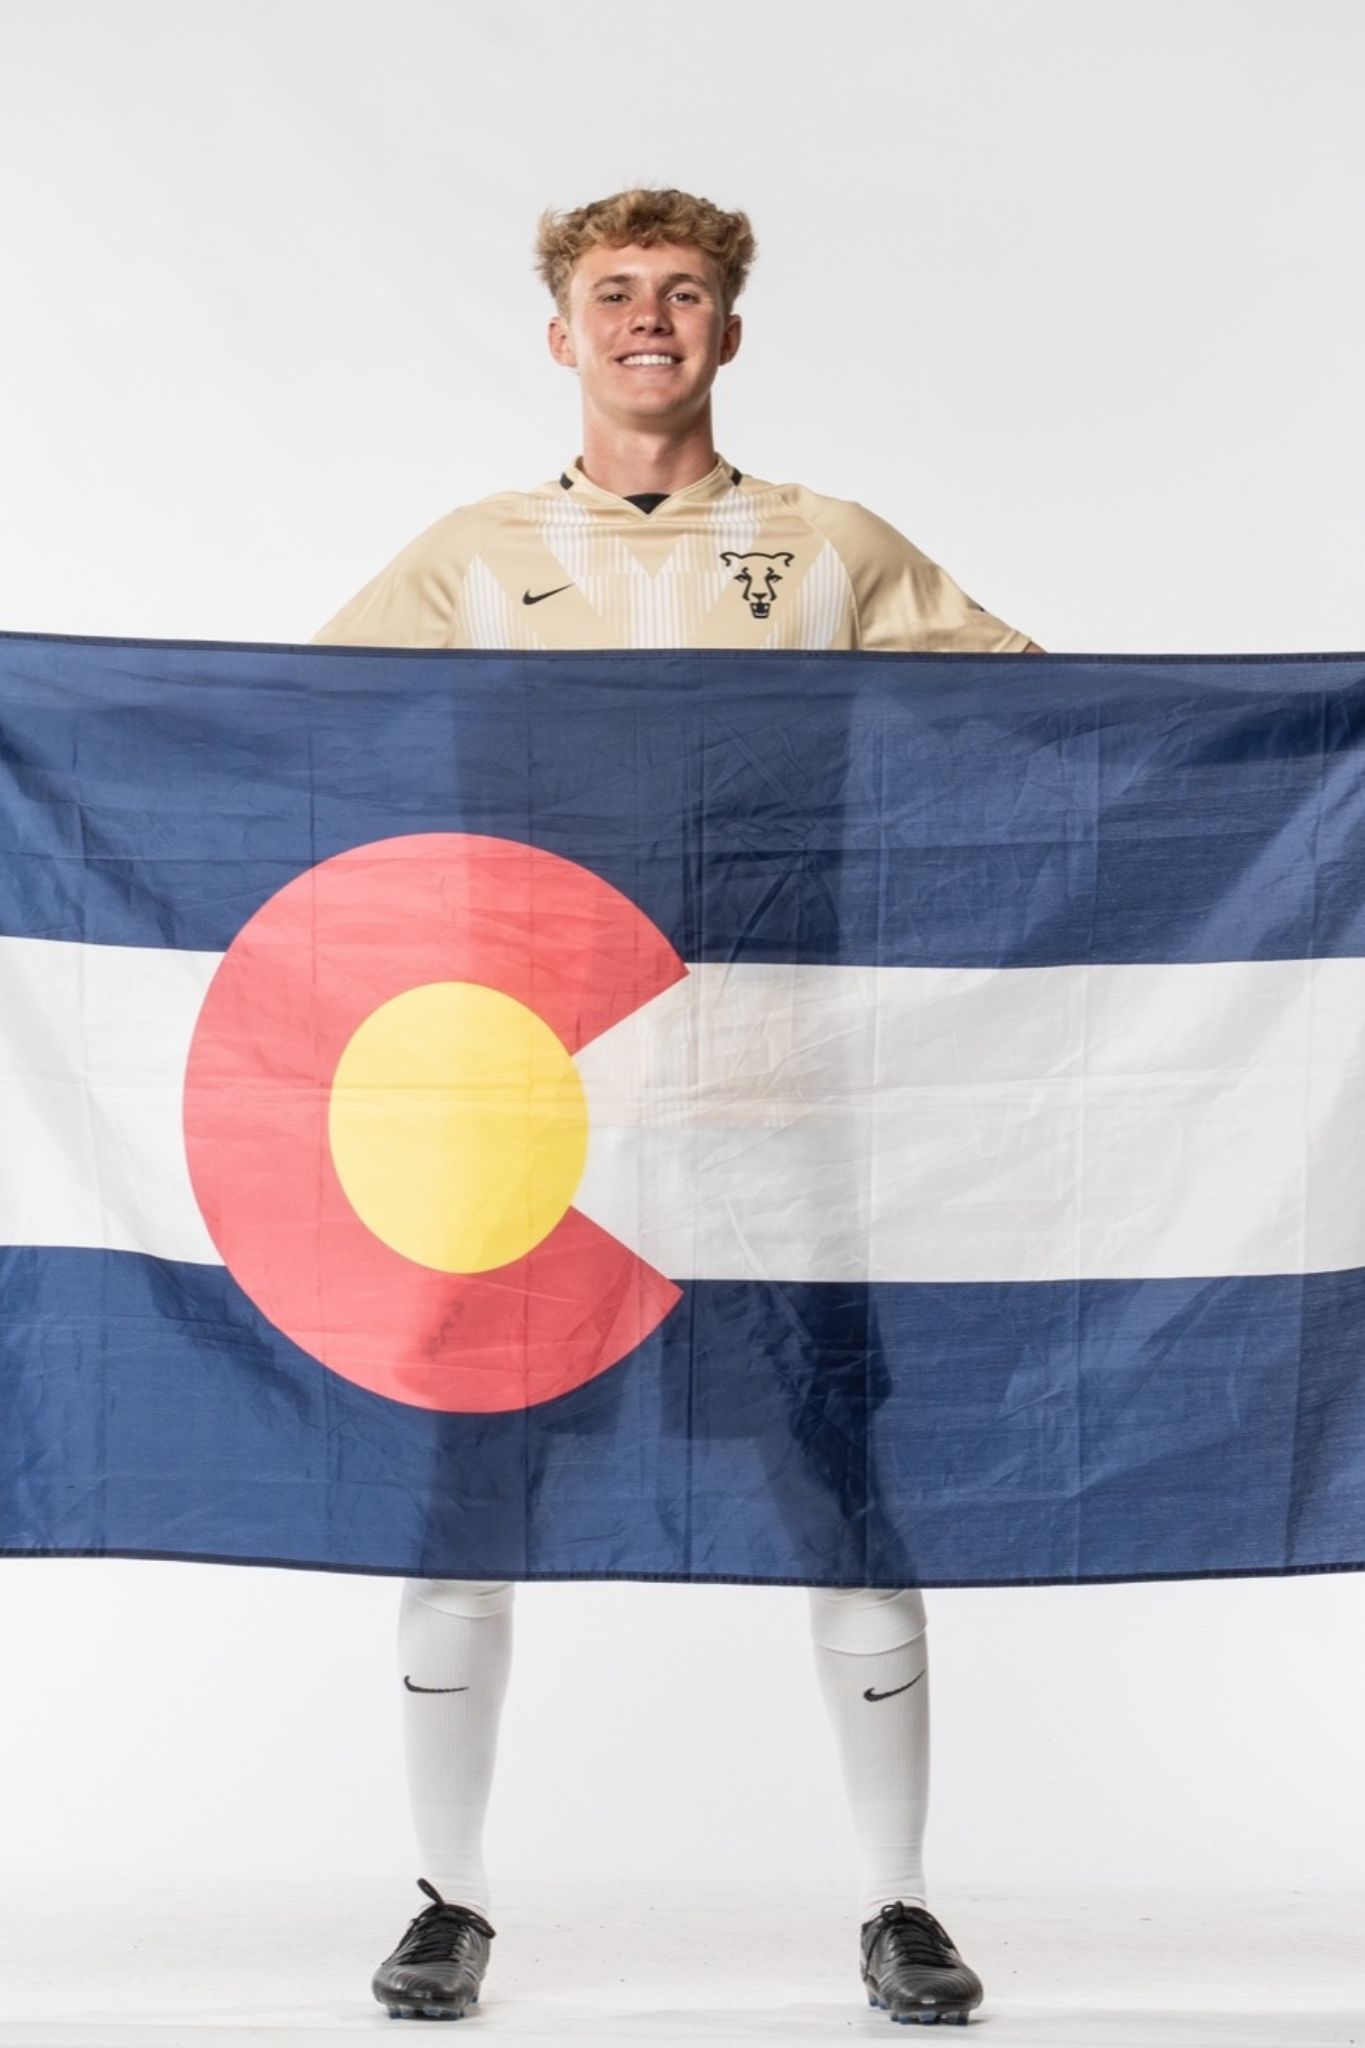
(758, 583)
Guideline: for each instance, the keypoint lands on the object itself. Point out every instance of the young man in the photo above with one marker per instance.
(652, 539)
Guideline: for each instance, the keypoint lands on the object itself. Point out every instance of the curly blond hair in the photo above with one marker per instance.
(645, 216)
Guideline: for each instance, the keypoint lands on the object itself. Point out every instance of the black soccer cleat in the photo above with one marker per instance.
(912, 1971)
(437, 1968)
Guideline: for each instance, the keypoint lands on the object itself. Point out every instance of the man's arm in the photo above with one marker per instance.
(905, 603)
(412, 602)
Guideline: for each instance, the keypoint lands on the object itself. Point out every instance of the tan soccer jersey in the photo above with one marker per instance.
(728, 562)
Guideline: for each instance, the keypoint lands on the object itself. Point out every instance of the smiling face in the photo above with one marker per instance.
(646, 329)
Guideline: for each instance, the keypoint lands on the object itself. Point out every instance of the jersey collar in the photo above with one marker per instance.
(717, 481)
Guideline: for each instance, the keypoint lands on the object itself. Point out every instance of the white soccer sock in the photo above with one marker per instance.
(454, 1655)
(871, 1642)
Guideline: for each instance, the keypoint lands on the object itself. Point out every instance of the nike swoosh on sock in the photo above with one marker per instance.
(871, 1695)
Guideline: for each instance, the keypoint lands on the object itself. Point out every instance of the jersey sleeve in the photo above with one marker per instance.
(411, 603)
(905, 603)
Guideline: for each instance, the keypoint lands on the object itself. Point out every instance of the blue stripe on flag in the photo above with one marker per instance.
(906, 809)
(823, 1435)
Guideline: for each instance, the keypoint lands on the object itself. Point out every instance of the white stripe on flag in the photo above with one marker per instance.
(808, 1123)
(93, 1044)
(901, 1123)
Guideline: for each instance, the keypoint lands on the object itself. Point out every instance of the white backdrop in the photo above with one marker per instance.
(1070, 292)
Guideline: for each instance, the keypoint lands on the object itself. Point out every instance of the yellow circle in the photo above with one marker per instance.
(458, 1126)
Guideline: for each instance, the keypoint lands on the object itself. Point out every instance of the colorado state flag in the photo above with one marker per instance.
(839, 1119)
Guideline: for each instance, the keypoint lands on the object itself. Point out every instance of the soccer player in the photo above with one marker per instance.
(650, 538)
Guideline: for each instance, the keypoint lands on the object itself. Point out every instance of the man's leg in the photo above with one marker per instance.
(872, 1658)
(454, 1655)
(871, 1655)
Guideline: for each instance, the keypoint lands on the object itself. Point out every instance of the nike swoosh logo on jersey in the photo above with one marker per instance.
(434, 1688)
(870, 1695)
(541, 595)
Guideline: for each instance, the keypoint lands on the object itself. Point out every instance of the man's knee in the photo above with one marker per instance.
(472, 1599)
(866, 1619)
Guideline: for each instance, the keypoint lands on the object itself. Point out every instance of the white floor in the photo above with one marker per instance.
(85, 1967)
